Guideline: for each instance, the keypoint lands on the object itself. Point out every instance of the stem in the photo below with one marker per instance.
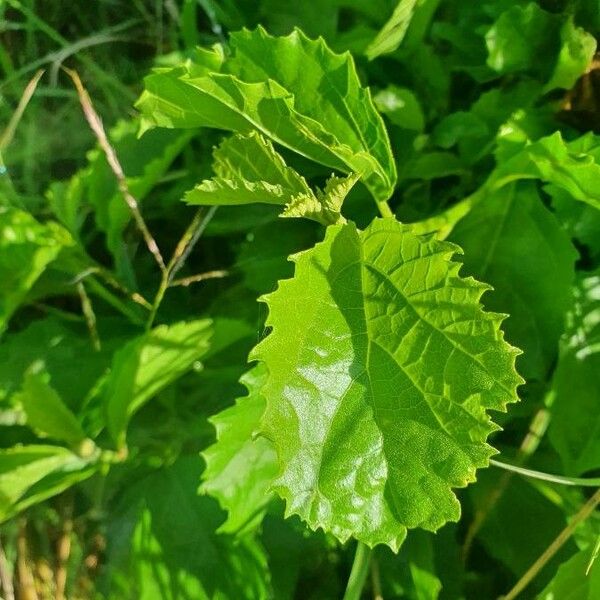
(579, 481)
(182, 250)
(585, 511)
(187, 281)
(9, 132)
(96, 126)
(359, 572)
(376, 579)
(384, 209)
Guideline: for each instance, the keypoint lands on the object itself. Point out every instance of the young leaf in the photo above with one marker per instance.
(239, 467)
(148, 364)
(248, 169)
(46, 412)
(516, 244)
(393, 32)
(26, 249)
(382, 367)
(326, 207)
(576, 53)
(295, 91)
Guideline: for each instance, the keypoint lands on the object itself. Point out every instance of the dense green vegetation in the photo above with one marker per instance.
(299, 300)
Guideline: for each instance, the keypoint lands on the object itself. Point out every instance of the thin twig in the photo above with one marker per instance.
(185, 281)
(188, 240)
(585, 511)
(6, 576)
(90, 316)
(9, 132)
(95, 123)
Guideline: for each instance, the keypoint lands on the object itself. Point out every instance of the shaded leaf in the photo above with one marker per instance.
(164, 545)
(571, 581)
(516, 244)
(148, 364)
(46, 412)
(576, 418)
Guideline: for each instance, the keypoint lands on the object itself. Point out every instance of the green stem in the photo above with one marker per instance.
(359, 572)
(578, 481)
(384, 209)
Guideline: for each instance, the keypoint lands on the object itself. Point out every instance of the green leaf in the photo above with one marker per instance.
(293, 90)
(576, 419)
(248, 169)
(148, 364)
(30, 474)
(512, 241)
(576, 54)
(382, 366)
(393, 32)
(45, 410)
(66, 352)
(165, 545)
(572, 166)
(523, 38)
(573, 582)
(326, 207)
(26, 249)
(239, 466)
(401, 106)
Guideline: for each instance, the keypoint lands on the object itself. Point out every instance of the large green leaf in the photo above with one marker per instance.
(576, 415)
(26, 249)
(239, 466)
(149, 363)
(382, 366)
(512, 241)
(294, 90)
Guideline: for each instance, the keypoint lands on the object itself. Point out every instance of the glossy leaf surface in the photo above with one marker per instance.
(382, 366)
